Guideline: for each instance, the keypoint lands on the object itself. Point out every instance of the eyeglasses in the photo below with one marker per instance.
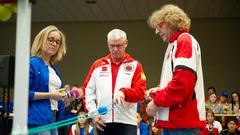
(117, 46)
(52, 41)
(160, 25)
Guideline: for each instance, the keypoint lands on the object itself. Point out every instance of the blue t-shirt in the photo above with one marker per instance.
(82, 131)
(7, 108)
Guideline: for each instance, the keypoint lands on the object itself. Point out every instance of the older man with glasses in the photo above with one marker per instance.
(115, 79)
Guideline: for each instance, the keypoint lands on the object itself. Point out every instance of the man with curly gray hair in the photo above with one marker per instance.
(178, 102)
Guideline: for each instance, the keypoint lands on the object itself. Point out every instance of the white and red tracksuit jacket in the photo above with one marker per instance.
(99, 89)
(180, 98)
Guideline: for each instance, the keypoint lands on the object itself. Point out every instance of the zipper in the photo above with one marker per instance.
(112, 109)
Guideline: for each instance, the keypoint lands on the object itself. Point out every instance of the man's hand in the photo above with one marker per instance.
(151, 109)
(119, 97)
(152, 90)
(99, 123)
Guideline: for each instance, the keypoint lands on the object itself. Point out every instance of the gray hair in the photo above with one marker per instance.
(117, 34)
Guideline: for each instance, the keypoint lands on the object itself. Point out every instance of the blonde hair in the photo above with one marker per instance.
(173, 15)
(41, 39)
(78, 126)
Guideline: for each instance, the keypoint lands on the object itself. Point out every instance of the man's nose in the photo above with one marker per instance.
(156, 31)
(115, 48)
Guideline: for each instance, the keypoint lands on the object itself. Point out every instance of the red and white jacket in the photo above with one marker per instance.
(180, 98)
(99, 89)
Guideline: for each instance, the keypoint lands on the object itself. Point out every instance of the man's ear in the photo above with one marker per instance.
(126, 43)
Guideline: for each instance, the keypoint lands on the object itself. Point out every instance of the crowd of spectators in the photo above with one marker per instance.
(222, 114)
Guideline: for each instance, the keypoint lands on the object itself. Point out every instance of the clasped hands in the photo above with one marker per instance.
(151, 107)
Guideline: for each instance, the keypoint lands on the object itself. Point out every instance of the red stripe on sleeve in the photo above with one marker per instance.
(177, 90)
(184, 46)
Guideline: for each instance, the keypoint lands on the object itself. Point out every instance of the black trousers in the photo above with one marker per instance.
(118, 129)
(5, 126)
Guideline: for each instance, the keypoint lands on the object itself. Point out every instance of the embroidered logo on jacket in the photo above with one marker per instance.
(143, 77)
(128, 67)
(104, 72)
(104, 68)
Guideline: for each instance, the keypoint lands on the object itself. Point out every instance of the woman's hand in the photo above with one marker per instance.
(57, 95)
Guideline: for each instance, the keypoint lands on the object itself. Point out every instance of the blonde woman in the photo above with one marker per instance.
(213, 127)
(45, 81)
(81, 127)
(213, 105)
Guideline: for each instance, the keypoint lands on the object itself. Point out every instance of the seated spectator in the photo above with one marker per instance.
(141, 108)
(238, 124)
(6, 109)
(142, 128)
(77, 106)
(213, 127)
(63, 114)
(213, 105)
(223, 102)
(210, 90)
(155, 131)
(81, 127)
(6, 106)
(235, 102)
(76, 103)
(70, 108)
(67, 87)
(232, 128)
